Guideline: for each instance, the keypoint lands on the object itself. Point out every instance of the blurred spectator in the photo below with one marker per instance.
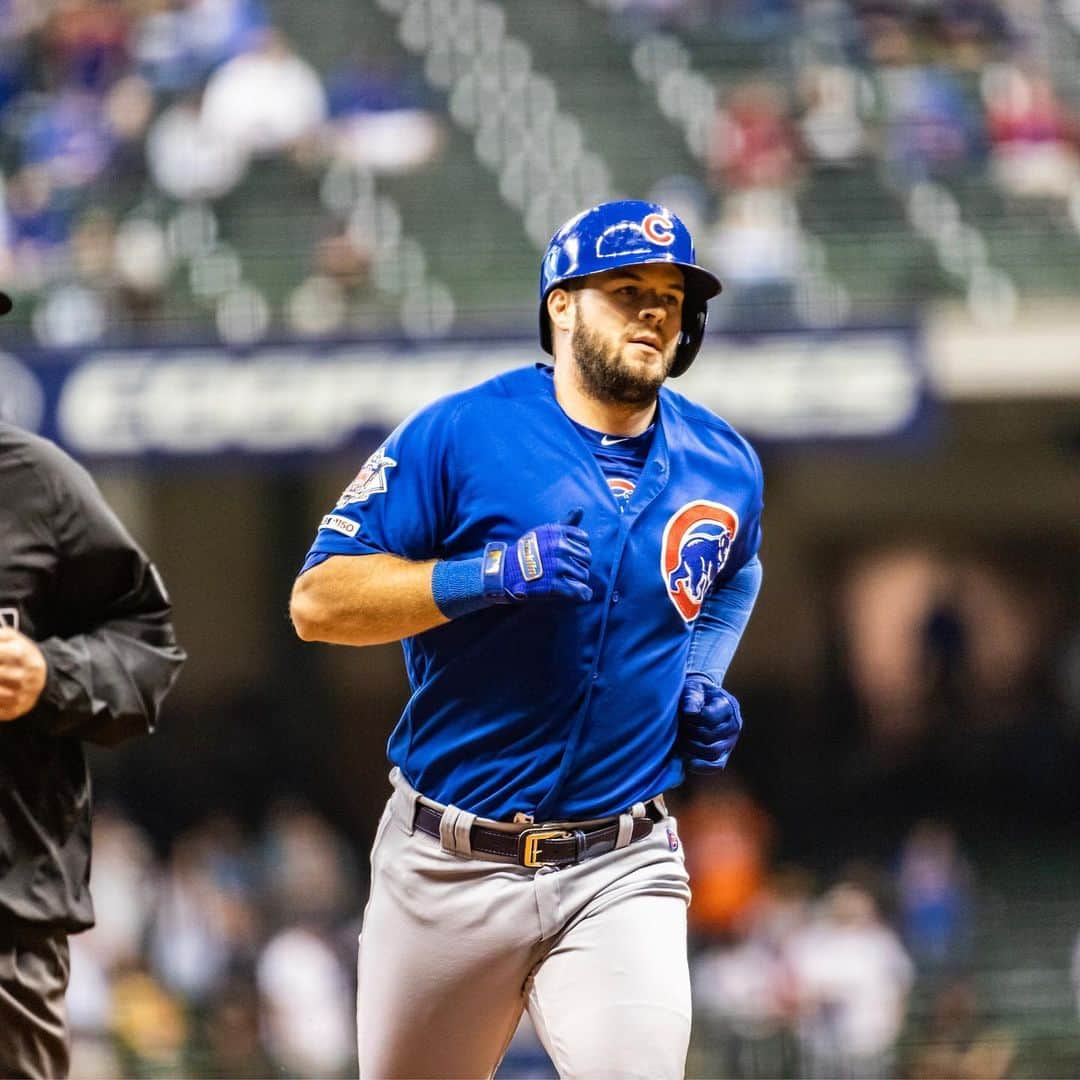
(89, 995)
(39, 226)
(178, 44)
(743, 989)
(850, 980)
(266, 100)
(310, 873)
(308, 1004)
(726, 837)
(125, 886)
(21, 18)
(205, 920)
(918, 623)
(68, 137)
(339, 287)
(85, 43)
(934, 889)
(233, 1037)
(1035, 139)
(758, 250)
(378, 119)
(957, 1045)
(973, 32)
(754, 143)
(150, 1025)
(831, 125)
(930, 128)
(190, 160)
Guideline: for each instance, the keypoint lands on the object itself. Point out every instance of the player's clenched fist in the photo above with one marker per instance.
(22, 674)
(709, 724)
(550, 561)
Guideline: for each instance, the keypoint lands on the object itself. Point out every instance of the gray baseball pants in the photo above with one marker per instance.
(454, 948)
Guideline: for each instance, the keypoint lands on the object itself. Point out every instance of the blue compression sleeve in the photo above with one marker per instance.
(721, 622)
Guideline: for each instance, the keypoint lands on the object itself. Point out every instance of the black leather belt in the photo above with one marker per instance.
(542, 845)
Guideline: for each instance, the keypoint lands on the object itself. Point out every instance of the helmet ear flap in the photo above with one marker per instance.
(693, 331)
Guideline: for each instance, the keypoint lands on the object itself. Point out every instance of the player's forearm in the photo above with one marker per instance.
(364, 600)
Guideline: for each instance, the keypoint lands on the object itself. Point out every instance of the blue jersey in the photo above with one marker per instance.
(554, 709)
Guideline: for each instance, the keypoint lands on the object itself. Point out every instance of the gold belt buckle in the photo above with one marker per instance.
(529, 841)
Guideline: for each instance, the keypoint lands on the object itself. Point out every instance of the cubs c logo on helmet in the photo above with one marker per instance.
(635, 237)
(659, 229)
(697, 542)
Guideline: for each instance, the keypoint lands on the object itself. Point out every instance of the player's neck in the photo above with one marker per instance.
(611, 418)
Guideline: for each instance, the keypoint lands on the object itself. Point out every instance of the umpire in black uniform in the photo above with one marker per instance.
(87, 652)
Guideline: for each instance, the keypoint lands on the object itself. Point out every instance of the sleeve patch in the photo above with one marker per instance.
(339, 524)
(370, 480)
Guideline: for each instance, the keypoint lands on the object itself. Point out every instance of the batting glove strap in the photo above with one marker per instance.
(494, 573)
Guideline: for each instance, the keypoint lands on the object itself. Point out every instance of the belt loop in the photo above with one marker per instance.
(626, 830)
(405, 800)
(637, 810)
(455, 829)
(658, 802)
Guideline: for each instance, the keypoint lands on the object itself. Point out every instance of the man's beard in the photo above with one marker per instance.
(605, 378)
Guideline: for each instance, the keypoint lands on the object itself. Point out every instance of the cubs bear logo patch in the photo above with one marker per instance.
(696, 544)
(370, 480)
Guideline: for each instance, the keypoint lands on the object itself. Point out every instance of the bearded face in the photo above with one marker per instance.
(606, 376)
(625, 333)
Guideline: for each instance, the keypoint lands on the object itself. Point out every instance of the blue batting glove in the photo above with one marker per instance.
(548, 561)
(710, 723)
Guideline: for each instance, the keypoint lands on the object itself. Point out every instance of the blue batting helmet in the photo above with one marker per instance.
(628, 233)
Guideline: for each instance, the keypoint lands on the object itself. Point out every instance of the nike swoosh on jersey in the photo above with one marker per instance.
(607, 440)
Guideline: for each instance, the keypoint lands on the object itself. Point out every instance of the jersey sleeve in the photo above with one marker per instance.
(397, 503)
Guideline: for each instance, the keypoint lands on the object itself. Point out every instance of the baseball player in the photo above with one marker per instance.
(568, 554)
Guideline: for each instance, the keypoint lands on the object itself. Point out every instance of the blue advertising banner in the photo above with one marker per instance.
(298, 399)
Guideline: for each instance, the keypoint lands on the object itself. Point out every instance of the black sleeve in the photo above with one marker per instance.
(113, 655)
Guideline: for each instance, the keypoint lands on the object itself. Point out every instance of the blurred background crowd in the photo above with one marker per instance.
(838, 159)
(886, 882)
(233, 955)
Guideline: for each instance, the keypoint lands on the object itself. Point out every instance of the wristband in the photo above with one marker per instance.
(457, 587)
(462, 586)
